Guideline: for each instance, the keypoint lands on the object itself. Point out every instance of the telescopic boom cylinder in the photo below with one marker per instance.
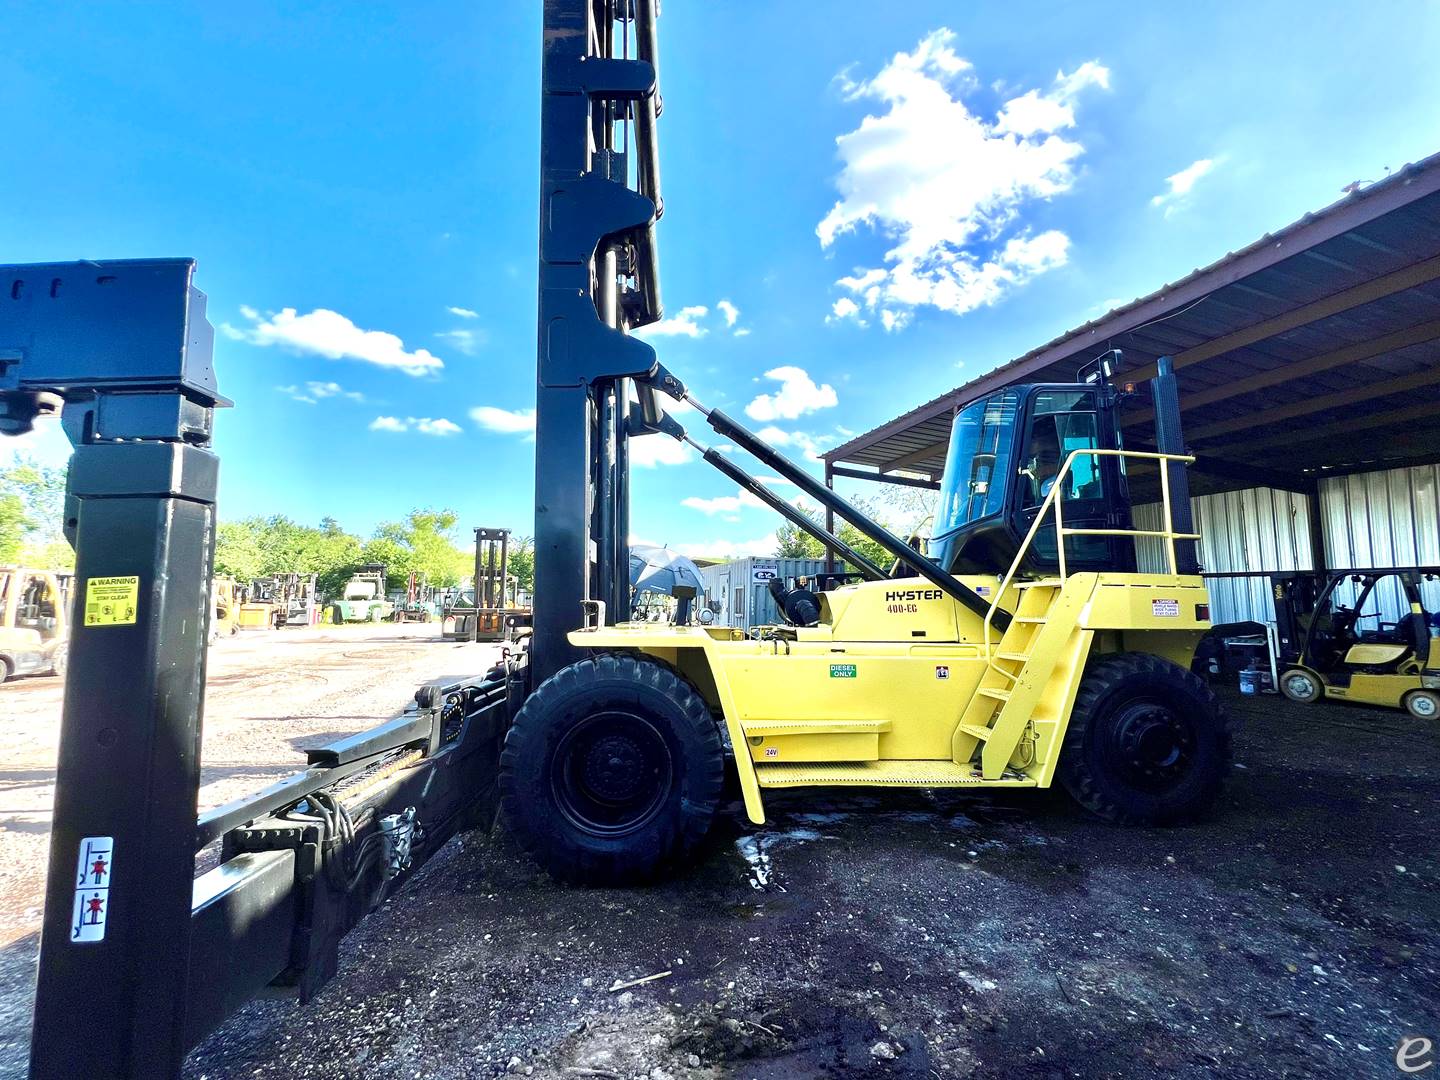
(785, 510)
(932, 571)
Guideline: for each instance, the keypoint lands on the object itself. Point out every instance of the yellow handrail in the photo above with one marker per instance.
(1053, 499)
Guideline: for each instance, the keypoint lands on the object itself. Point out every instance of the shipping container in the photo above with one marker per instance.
(741, 588)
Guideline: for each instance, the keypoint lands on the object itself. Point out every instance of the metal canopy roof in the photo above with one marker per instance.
(1316, 349)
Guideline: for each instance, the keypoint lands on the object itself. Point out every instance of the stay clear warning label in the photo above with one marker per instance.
(92, 889)
(111, 601)
(1165, 609)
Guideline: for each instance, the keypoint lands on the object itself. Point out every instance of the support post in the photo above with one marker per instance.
(1170, 440)
(127, 348)
(829, 519)
(475, 618)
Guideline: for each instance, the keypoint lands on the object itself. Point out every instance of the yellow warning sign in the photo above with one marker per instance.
(111, 601)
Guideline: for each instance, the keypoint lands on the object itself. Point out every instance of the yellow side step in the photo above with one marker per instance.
(977, 730)
(882, 774)
(814, 727)
(994, 692)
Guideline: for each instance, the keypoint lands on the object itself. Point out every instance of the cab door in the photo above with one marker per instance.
(1059, 421)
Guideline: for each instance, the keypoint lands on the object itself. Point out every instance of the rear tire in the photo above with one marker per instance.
(611, 771)
(1148, 742)
(1422, 704)
(59, 660)
(1301, 686)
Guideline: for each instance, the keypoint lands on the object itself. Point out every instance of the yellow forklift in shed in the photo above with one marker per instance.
(1367, 638)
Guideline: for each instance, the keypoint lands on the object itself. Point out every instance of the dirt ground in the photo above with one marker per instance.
(1296, 933)
(269, 695)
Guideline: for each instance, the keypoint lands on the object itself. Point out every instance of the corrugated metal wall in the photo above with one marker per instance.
(1254, 529)
(1380, 519)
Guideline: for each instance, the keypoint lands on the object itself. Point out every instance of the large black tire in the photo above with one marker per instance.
(611, 771)
(1148, 742)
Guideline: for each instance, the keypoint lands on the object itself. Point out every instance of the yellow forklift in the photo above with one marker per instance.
(1360, 635)
(34, 625)
(1025, 649)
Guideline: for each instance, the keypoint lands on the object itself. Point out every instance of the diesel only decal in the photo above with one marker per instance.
(842, 671)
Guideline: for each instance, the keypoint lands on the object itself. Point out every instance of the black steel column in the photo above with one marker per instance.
(587, 213)
(1170, 440)
(829, 519)
(115, 951)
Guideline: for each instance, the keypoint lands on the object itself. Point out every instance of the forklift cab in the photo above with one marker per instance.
(1006, 451)
(1369, 639)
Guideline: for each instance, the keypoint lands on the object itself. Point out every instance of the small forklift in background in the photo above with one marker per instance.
(363, 599)
(492, 609)
(34, 625)
(1365, 636)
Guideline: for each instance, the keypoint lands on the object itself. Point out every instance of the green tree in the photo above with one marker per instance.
(423, 543)
(795, 543)
(14, 524)
(522, 562)
(237, 549)
(32, 515)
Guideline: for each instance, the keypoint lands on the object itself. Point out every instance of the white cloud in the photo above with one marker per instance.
(329, 334)
(692, 322)
(648, 451)
(313, 392)
(845, 308)
(467, 341)
(729, 549)
(798, 395)
(948, 185)
(1181, 184)
(505, 421)
(723, 504)
(423, 424)
(686, 324)
(810, 445)
(463, 312)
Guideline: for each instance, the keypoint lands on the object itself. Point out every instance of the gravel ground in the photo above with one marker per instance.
(269, 695)
(1294, 934)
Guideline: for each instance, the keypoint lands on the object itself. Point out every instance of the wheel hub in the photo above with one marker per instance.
(1299, 686)
(1154, 745)
(614, 766)
(612, 773)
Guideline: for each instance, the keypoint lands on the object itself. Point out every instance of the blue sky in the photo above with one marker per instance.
(358, 183)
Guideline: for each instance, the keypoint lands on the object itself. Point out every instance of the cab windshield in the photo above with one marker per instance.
(972, 488)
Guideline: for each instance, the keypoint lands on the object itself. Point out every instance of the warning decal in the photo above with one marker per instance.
(92, 889)
(1165, 609)
(111, 601)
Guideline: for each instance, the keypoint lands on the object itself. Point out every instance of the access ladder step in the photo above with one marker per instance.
(814, 727)
(926, 774)
(1020, 657)
(979, 731)
(1030, 619)
(994, 692)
